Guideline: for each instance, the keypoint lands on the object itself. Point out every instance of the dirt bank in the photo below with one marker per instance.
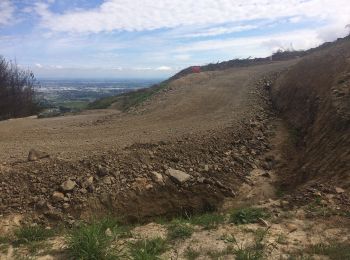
(314, 98)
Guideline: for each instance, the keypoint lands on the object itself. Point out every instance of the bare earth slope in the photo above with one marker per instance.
(196, 103)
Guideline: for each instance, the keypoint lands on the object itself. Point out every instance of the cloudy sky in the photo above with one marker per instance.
(156, 38)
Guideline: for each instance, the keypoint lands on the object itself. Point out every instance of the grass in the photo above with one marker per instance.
(247, 215)
(148, 249)
(335, 251)
(178, 229)
(191, 254)
(90, 241)
(29, 234)
(208, 220)
(127, 100)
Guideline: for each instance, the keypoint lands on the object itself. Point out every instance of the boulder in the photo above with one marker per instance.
(178, 176)
(68, 185)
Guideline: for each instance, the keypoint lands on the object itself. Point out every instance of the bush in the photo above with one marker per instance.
(16, 91)
(179, 230)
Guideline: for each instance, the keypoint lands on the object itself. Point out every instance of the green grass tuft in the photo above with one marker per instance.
(29, 234)
(90, 241)
(247, 215)
(148, 249)
(208, 220)
(335, 251)
(177, 229)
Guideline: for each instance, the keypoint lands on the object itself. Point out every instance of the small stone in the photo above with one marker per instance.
(35, 155)
(206, 167)
(102, 171)
(68, 185)
(157, 177)
(108, 232)
(178, 176)
(291, 227)
(66, 205)
(339, 190)
(149, 187)
(58, 196)
(107, 180)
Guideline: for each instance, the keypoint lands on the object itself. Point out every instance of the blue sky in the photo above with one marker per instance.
(149, 38)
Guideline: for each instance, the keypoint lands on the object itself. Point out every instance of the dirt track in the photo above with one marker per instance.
(194, 104)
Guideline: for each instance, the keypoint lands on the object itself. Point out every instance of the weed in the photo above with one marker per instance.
(247, 215)
(90, 241)
(29, 234)
(179, 230)
(336, 251)
(148, 249)
(208, 220)
(191, 254)
(282, 239)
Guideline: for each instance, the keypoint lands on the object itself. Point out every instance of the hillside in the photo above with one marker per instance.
(235, 162)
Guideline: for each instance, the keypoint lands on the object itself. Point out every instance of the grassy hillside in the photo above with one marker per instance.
(124, 101)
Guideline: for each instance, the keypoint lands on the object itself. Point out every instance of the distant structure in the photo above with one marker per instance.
(196, 69)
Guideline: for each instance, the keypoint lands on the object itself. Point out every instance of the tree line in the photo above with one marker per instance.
(17, 91)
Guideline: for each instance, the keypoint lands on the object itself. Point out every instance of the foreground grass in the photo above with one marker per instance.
(29, 234)
(148, 249)
(248, 215)
(94, 241)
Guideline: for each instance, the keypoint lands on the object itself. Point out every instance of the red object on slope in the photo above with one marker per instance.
(196, 69)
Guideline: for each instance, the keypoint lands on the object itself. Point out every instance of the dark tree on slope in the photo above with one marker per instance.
(16, 91)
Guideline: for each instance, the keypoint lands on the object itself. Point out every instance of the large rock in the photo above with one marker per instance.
(68, 185)
(178, 176)
(35, 155)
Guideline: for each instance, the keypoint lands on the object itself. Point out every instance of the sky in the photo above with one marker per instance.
(157, 38)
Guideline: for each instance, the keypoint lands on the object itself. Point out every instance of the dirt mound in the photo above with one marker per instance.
(314, 97)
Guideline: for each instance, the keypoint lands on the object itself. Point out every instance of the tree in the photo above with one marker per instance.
(17, 96)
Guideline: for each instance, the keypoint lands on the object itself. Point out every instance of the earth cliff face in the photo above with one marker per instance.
(314, 97)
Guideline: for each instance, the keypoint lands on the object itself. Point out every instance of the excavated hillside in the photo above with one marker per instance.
(250, 161)
(314, 98)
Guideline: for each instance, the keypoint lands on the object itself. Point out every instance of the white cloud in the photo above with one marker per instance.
(141, 15)
(6, 12)
(220, 30)
(163, 68)
(38, 65)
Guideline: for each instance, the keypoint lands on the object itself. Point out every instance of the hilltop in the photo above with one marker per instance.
(244, 159)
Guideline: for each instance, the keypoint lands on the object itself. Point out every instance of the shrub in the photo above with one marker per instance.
(148, 249)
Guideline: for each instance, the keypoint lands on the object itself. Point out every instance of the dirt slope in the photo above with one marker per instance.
(314, 97)
(196, 103)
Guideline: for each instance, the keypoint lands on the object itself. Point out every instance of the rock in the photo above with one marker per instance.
(157, 177)
(35, 155)
(291, 227)
(107, 180)
(68, 185)
(206, 167)
(339, 190)
(102, 171)
(87, 182)
(178, 176)
(108, 232)
(66, 205)
(58, 196)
